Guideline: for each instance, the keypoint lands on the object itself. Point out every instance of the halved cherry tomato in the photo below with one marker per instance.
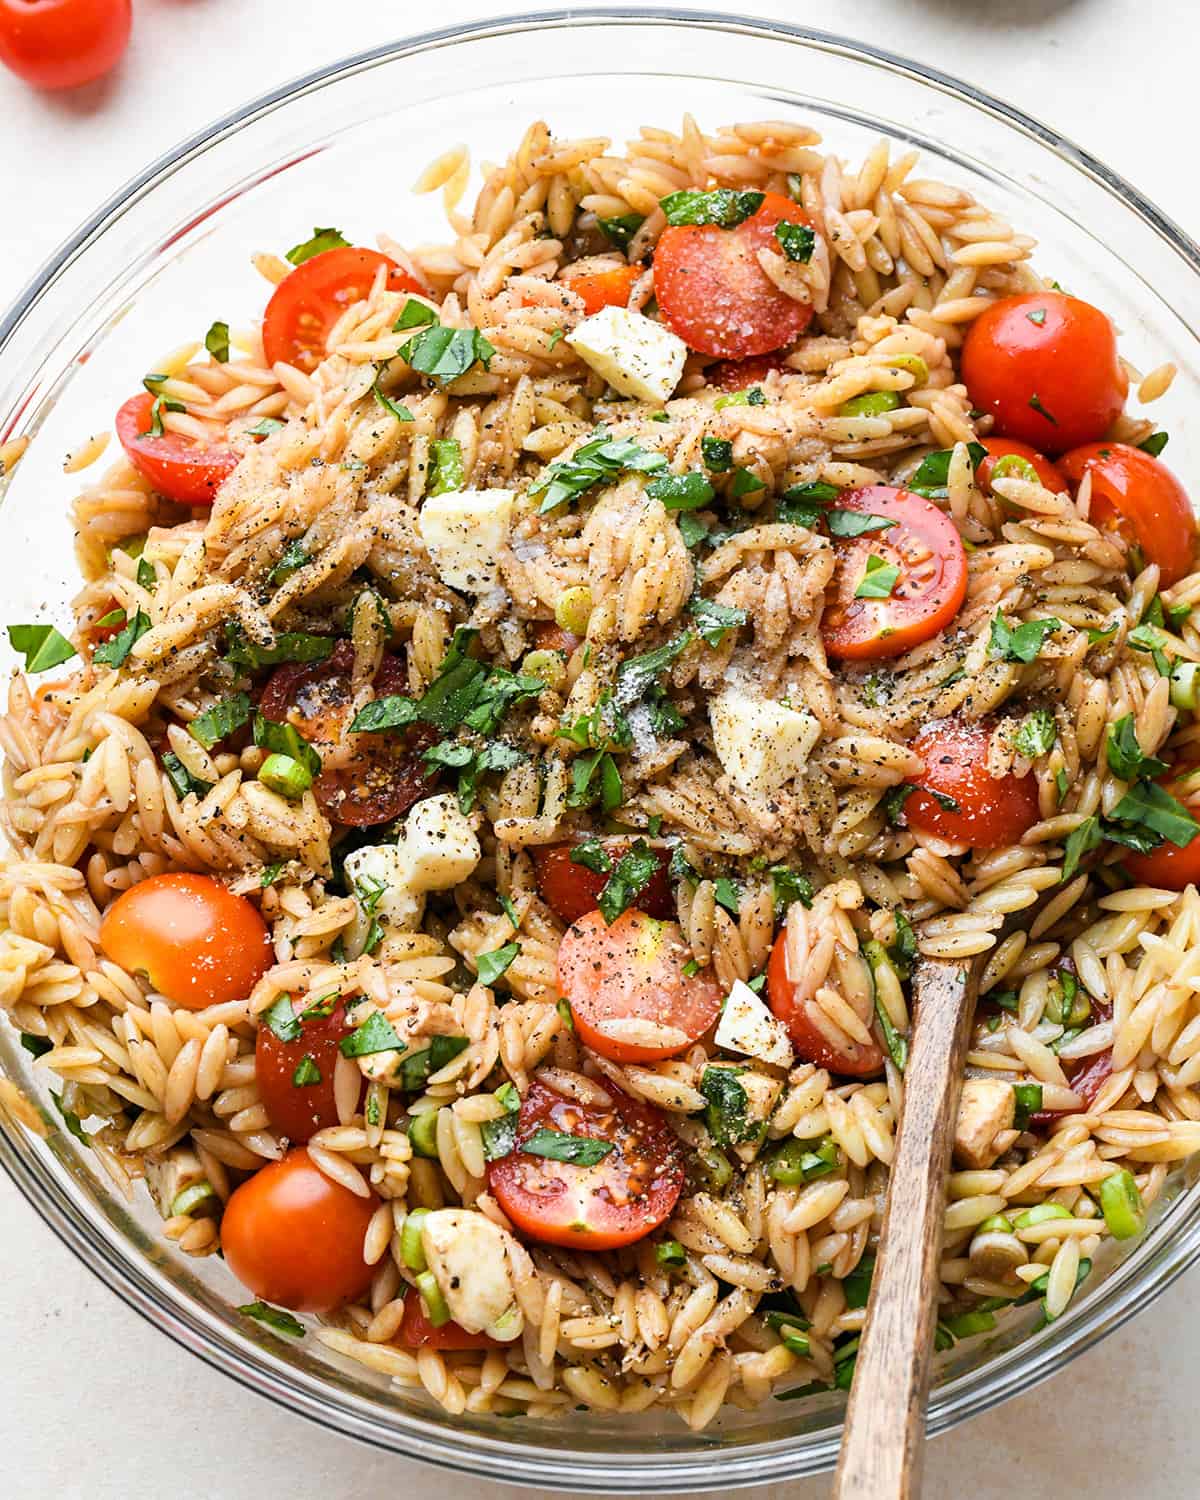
(1138, 497)
(713, 293)
(738, 374)
(955, 797)
(178, 468)
(417, 1332)
(801, 1015)
(1045, 366)
(929, 589)
(1003, 447)
(1170, 867)
(196, 941)
(572, 890)
(295, 1237)
(59, 44)
(603, 288)
(633, 972)
(309, 301)
(299, 1110)
(384, 776)
(625, 1195)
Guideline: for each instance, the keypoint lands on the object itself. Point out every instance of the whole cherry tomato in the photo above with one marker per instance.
(59, 44)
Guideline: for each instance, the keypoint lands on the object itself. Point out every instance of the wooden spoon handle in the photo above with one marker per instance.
(882, 1441)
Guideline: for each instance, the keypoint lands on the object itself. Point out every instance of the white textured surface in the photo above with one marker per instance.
(95, 1403)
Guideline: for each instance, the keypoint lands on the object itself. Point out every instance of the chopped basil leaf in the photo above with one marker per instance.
(1150, 639)
(161, 404)
(286, 739)
(745, 483)
(557, 1145)
(633, 873)
(726, 893)
(1081, 841)
(216, 341)
(679, 868)
(724, 207)
(220, 721)
(933, 472)
(878, 580)
(274, 1317)
(281, 1019)
(726, 1106)
(1020, 643)
(903, 951)
(1126, 757)
(1036, 734)
(1154, 444)
(181, 778)
(490, 966)
(592, 855)
(713, 620)
(414, 314)
(71, 1120)
(788, 886)
(1027, 1100)
(893, 803)
(717, 454)
(1062, 785)
(638, 674)
(306, 1072)
(1152, 806)
(500, 1136)
(146, 576)
(852, 523)
(443, 354)
(270, 874)
(509, 910)
(112, 653)
(1036, 402)
(944, 801)
(322, 240)
(598, 461)
(265, 427)
(36, 1046)
(689, 491)
(416, 1069)
(1037, 315)
(557, 334)
(857, 1285)
(290, 645)
(42, 646)
(291, 560)
(376, 1034)
(621, 228)
(796, 240)
(396, 408)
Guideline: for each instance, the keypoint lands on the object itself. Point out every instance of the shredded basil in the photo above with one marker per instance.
(878, 579)
(306, 1072)
(633, 873)
(291, 560)
(852, 523)
(281, 1019)
(727, 1105)
(417, 1068)
(714, 620)
(274, 1317)
(1154, 444)
(322, 240)
(490, 966)
(1036, 734)
(443, 354)
(1126, 758)
(112, 653)
(396, 408)
(723, 207)
(289, 645)
(557, 1145)
(216, 341)
(221, 720)
(1019, 643)
(621, 228)
(600, 460)
(717, 454)
(376, 1034)
(181, 778)
(42, 645)
(796, 240)
(690, 491)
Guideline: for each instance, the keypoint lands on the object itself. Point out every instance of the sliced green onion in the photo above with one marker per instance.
(184, 1202)
(968, 1323)
(1185, 685)
(547, 667)
(997, 1224)
(1013, 466)
(795, 1162)
(431, 1294)
(412, 1251)
(286, 776)
(574, 610)
(913, 363)
(1040, 1213)
(872, 404)
(1124, 1211)
(422, 1133)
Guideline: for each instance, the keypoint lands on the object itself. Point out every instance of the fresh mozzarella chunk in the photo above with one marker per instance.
(439, 848)
(378, 877)
(464, 531)
(986, 1109)
(638, 357)
(747, 1026)
(468, 1256)
(761, 744)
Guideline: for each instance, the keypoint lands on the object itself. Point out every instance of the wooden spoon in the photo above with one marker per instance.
(883, 1436)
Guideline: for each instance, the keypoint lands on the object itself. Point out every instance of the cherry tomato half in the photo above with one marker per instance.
(713, 293)
(1169, 867)
(59, 44)
(801, 1015)
(571, 890)
(1138, 497)
(178, 468)
(417, 1332)
(1045, 366)
(739, 374)
(299, 1110)
(928, 590)
(295, 1238)
(628, 1193)
(1004, 447)
(633, 972)
(196, 941)
(955, 797)
(310, 300)
(601, 289)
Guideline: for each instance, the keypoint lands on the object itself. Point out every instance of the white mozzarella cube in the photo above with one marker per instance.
(394, 905)
(638, 357)
(468, 1255)
(747, 1026)
(760, 743)
(463, 532)
(439, 848)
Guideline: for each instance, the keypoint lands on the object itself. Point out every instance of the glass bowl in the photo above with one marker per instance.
(170, 252)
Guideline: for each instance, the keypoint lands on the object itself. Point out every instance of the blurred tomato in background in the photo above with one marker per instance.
(59, 44)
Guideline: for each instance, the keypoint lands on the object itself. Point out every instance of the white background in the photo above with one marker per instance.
(95, 1403)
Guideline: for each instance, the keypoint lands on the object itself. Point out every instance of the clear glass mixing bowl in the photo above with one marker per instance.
(170, 253)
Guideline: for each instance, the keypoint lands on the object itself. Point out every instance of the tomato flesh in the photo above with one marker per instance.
(633, 972)
(600, 289)
(60, 44)
(1138, 497)
(187, 472)
(740, 374)
(1045, 366)
(1003, 447)
(309, 301)
(957, 800)
(1170, 867)
(197, 942)
(295, 1238)
(929, 588)
(571, 890)
(298, 1111)
(713, 293)
(796, 1011)
(624, 1196)
(417, 1332)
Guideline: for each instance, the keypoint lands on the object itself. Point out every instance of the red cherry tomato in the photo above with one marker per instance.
(572, 890)
(59, 44)
(1138, 497)
(196, 941)
(417, 1332)
(629, 972)
(1086, 1077)
(385, 775)
(601, 289)
(739, 374)
(1170, 867)
(955, 798)
(295, 1238)
(1045, 366)
(713, 293)
(624, 1196)
(547, 636)
(929, 588)
(178, 468)
(299, 1110)
(309, 301)
(1002, 447)
(800, 1014)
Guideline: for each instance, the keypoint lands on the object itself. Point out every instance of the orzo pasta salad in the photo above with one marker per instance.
(532, 702)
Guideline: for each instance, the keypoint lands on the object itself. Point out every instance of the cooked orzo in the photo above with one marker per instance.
(532, 702)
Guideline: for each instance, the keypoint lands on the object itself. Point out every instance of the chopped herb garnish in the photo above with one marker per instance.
(1152, 806)
(274, 1317)
(1126, 758)
(714, 620)
(290, 645)
(443, 354)
(322, 240)
(281, 1019)
(727, 1104)
(499, 1136)
(638, 674)
(216, 341)
(726, 894)
(285, 739)
(601, 460)
(146, 576)
(1154, 444)
(633, 873)
(306, 1072)
(788, 886)
(376, 1034)
(490, 966)
(446, 472)
(1036, 402)
(690, 491)
(221, 720)
(1020, 643)
(621, 228)
(396, 408)
(264, 427)
(852, 523)
(717, 454)
(557, 1145)
(417, 1068)
(893, 803)
(745, 482)
(36, 1046)
(878, 580)
(291, 560)
(857, 1285)
(414, 314)
(71, 1120)
(796, 240)
(1036, 734)
(181, 778)
(42, 646)
(161, 404)
(112, 653)
(724, 207)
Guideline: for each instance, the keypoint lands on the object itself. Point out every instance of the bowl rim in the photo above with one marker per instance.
(249, 1362)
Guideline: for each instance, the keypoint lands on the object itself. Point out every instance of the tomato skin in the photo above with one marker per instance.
(59, 44)
(1170, 867)
(634, 970)
(549, 636)
(991, 811)
(600, 289)
(1001, 447)
(927, 594)
(295, 1238)
(417, 1332)
(713, 293)
(740, 374)
(1137, 496)
(309, 301)
(186, 472)
(199, 944)
(1067, 362)
(624, 1197)
(811, 1044)
(299, 1111)
(571, 890)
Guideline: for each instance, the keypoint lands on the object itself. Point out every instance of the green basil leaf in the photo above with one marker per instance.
(592, 855)
(286, 739)
(1152, 806)
(557, 1145)
(878, 579)
(290, 645)
(221, 720)
(852, 523)
(1019, 643)
(490, 966)
(681, 491)
(726, 1106)
(1036, 734)
(633, 873)
(713, 620)
(796, 240)
(216, 341)
(717, 454)
(42, 645)
(443, 354)
(291, 560)
(1126, 759)
(600, 460)
(723, 207)
(621, 228)
(376, 1034)
(274, 1317)
(322, 240)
